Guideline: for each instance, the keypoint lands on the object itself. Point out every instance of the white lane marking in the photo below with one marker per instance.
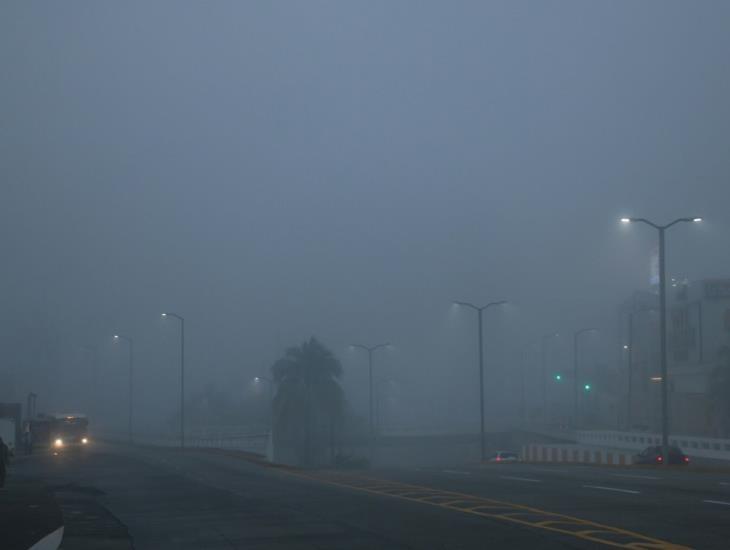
(635, 476)
(725, 483)
(515, 478)
(717, 502)
(562, 469)
(629, 491)
(50, 542)
(460, 472)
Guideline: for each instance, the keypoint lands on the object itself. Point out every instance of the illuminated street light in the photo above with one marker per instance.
(663, 321)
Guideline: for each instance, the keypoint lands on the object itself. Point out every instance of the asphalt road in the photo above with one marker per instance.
(117, 497)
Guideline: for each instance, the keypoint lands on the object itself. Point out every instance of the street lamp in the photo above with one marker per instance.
(130, 343)
(378, 398)
(545, 340)
(479, 311)
(576, 335)
(182, 374)
(257, 380)
(663, 321)
(630, 364)
(370, 350)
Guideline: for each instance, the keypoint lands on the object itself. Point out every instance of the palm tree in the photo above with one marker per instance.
(309, 402)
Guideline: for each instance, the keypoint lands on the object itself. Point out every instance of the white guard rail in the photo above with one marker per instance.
(705, 447)
(577, 454)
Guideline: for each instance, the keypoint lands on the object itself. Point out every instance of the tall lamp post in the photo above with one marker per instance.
(370, 350)
(629, 348)
(480, 311)
(663, 322)
(378, 402)
(182, 374)
(130, 344)
(577, 335)
(257, 380)
(545, 340)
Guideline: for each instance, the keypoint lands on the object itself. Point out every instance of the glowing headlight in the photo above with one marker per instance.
(58, 442)
(84, 440)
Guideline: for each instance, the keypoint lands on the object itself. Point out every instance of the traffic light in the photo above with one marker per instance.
(587, 387)
(558, 377)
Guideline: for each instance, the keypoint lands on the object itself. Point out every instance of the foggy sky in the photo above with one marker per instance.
(276, 170)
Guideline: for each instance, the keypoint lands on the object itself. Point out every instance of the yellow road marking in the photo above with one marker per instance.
(549, 521)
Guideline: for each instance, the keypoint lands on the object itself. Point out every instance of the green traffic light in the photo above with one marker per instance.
(558, 377)
(587, 387)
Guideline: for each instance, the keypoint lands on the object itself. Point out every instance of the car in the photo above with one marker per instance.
(654, 456)
(504, 456)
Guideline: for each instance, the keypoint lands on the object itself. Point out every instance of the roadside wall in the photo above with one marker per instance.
(704, 447)
(574, 454)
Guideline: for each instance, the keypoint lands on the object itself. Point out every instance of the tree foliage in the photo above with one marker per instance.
(309, 403)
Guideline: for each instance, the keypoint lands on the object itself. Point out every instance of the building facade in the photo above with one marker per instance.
(698, 329)
(639, 348)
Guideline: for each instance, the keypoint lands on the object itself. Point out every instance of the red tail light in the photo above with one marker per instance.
(499, 459)
(660, 459)
(686, 460)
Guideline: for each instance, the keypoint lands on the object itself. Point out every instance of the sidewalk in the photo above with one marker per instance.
(28, 512)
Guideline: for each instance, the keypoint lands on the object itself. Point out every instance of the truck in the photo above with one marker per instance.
(60, 432)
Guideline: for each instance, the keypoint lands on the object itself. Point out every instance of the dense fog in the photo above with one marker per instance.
(273, 171)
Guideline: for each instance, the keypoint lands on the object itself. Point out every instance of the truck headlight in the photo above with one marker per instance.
(58, 442)
(84, 440)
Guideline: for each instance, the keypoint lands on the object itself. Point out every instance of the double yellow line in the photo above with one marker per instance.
(494, 509)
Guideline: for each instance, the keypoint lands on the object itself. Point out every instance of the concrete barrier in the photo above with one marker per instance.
(253, 443)
(705, 447)
(577, 454)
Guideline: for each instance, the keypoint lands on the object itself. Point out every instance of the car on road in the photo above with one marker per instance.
(653, 455)
(504, 456)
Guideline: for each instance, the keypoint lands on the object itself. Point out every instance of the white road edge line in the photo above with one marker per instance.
(635, 476)
(717, 502)
(456, 472)
(515, 478)
(629, 491)
(49, 542)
